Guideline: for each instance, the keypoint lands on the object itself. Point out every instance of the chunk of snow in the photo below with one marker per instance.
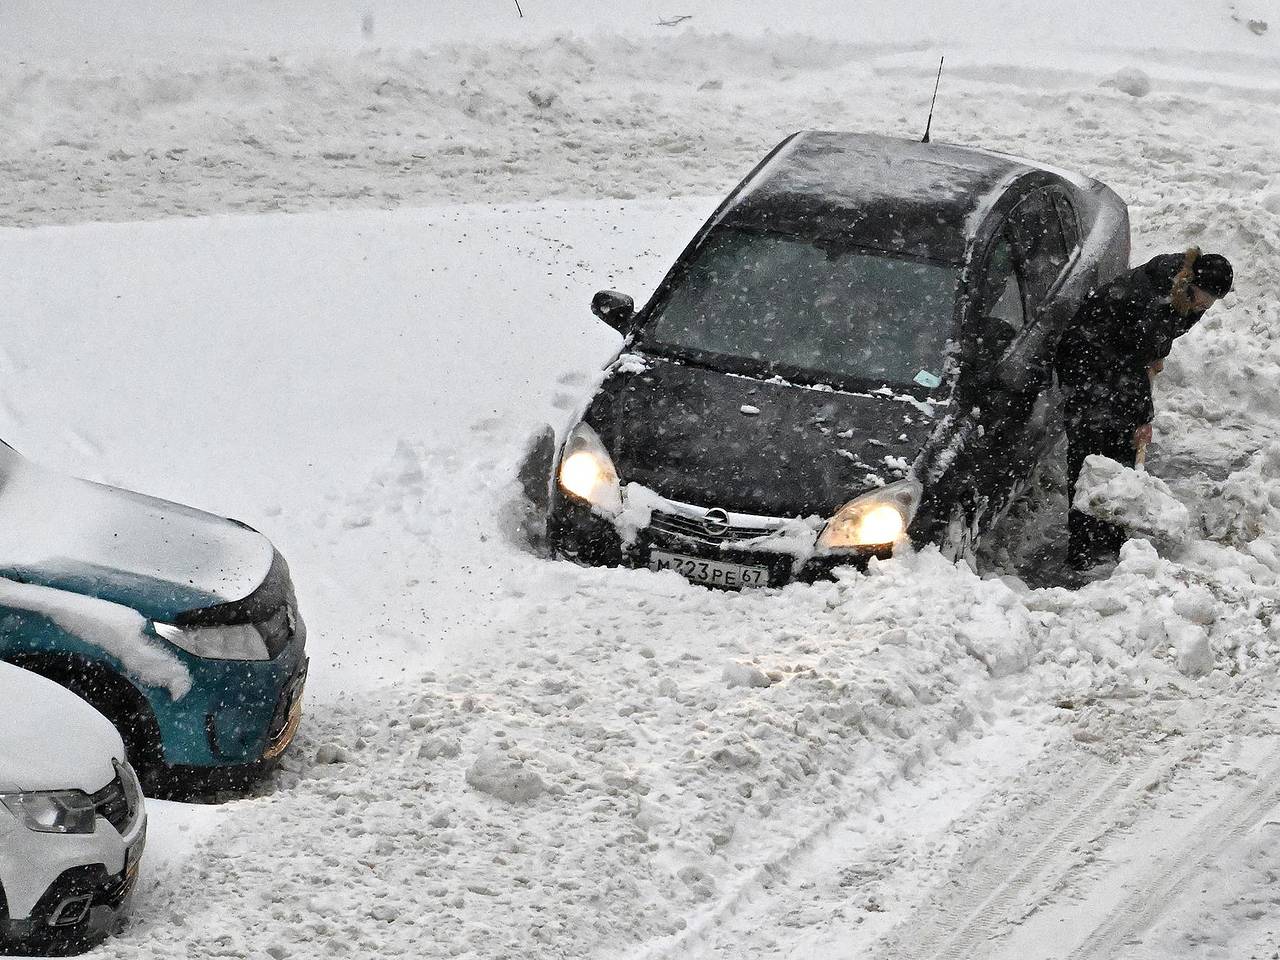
(630, 363)
(1129, 80)
(745, 675)
(1140, 502)
(1193, 655)
(505, 777)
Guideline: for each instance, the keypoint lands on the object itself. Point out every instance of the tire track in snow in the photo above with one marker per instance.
(717, 914)
(1220, 827)
(1043, 847)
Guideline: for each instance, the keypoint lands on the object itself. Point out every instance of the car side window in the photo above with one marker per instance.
(1039, 243)
(1002, 294)
(1070, 223)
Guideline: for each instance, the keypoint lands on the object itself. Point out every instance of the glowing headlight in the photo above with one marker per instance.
(876, 519)
(241, 641)
(62, 811)
(586, 471)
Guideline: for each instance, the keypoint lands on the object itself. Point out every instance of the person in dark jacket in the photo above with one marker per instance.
(1106, 362)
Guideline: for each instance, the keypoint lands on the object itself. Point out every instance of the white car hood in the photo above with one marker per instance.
(50, 739)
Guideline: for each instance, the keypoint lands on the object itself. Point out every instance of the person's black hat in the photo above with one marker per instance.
(1212, 273)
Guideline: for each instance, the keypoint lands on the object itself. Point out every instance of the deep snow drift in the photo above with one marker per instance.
(506, 756)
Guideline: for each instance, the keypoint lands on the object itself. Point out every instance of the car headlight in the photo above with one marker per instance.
(132, 788)
(587, 472)
(240, 641)
(58, 811)
(876, 519)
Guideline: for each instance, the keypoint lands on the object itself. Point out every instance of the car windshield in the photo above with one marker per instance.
(790, 303)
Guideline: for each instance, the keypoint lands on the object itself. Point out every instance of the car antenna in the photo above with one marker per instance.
(929, 122)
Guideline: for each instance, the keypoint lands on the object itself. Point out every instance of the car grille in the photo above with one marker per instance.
(694, 528)
(112, 803)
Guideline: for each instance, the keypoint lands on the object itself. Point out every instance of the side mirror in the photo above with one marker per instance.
(614, 308)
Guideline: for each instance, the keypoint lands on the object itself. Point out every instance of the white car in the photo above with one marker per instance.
(72, 821)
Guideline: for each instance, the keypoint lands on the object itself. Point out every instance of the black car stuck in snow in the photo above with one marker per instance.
(855, 351)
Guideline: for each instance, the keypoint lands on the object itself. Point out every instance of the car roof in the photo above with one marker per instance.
(886, 193)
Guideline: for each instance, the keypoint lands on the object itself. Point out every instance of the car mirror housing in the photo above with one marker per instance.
(616, 309)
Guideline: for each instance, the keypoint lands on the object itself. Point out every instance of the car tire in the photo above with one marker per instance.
(534, 476)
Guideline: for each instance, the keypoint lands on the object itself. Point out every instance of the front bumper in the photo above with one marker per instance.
(67, 890)
(577, 533)
(238, 713)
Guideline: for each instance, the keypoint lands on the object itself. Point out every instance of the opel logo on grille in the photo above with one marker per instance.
(716, 522)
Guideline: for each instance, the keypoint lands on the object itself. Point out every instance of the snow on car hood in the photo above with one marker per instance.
(764, 447)
(50, 739)
(159, 558)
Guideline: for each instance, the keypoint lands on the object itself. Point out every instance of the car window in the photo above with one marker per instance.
(792, 303)
(1070, 223)
(1039, 242)
(1002, 294)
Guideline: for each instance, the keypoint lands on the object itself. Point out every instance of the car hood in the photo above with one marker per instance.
(159, 558)
(50, 739)
(765, 447)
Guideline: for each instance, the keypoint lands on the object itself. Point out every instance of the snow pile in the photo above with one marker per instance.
(1246, 506)
(1137, 500)
(641, 752)
(651, 747)
(677, 113)
(496, 773)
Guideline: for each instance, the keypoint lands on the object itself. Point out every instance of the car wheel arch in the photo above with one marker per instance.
(109, 692)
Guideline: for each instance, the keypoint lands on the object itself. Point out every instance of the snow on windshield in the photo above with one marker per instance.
(793, 304)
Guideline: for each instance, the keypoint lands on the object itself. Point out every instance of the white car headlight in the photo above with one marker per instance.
(240, 641)
(60, 811)
(876, 519)
(587, 472)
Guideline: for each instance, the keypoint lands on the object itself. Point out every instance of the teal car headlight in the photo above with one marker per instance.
(241, 641)
(60, 811)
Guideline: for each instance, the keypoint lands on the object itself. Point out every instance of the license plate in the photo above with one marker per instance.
(713, 573)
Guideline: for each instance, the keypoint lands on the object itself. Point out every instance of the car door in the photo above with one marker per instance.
(1021, 269)
(971, 487)
(1048, 244)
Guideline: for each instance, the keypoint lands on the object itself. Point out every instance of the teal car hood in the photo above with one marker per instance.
(157, 557)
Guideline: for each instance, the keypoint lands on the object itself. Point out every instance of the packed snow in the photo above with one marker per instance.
(505, 755)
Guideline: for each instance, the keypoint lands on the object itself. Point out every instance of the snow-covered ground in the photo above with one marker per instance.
(507, 756)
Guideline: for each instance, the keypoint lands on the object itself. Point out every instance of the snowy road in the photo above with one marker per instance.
(915, 764)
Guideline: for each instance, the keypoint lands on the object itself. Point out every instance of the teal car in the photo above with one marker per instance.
(181, 627)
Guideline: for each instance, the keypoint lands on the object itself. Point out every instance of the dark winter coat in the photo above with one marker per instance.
(1119, 331)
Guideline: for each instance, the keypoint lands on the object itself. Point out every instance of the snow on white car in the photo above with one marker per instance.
(72, 820)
